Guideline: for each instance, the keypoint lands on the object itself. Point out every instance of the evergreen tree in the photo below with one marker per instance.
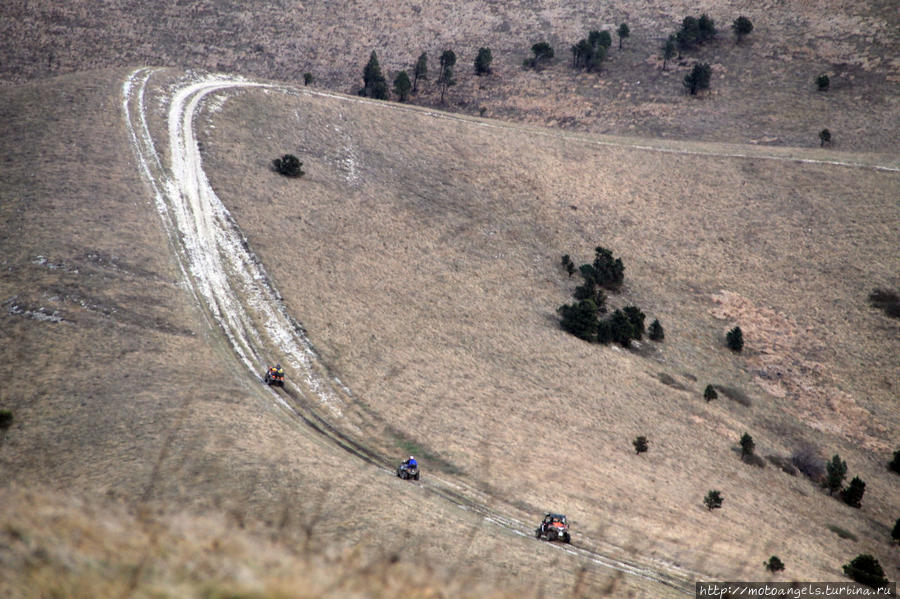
(374, 83)
(865, 569)
(713, 500)
(668, 50)
(289, 166)
(420, 71)
(483, 61)
(835, 472)
(741, 26)
(698, 78)
(446, 80)
(822, 82)
(541, 51)
(655, 332)
(636, 318)
(623, 32)
(894, 464)
(307, 78)
(824, 137)
(622, 329)
(580, 319)
(402, 86)
(853, 494)
(706, 28)
(735, 339)
(610, 272)
(568, 264)
(640, 444)
(688, 35)
(447, 61)
(895, 533)
(747, 445)
(709, 393)
(774, 564)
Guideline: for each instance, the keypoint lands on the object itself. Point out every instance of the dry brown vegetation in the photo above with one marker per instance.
(762, 92)
(421, 252)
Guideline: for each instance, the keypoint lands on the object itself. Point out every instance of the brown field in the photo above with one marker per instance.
(421, 254)
(762, 90)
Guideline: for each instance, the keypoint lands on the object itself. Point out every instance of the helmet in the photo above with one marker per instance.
(412, 458)
(278, 366)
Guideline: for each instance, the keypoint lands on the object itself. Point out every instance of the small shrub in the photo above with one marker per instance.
(822, 82)
(709, 393)
(667, 379)
(735, 339)
(809, 461)
(894, 465)
(6, 419)
(774, 564)
(853, 494)
(713, 500)
(843, 532)
(655, 332)
(308, 78)
(288, 165)
(895, 533)
(640, 444)
(865, 569)
(784, 463)
(888, 301)
(824, 137)
(835, 473)
(735, 394)
(747, 445)
(636, 318)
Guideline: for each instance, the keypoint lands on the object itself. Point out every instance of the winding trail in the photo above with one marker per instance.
(231, 285)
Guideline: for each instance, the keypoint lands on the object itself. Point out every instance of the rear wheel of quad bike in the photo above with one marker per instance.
(537, 533)
(416, 476)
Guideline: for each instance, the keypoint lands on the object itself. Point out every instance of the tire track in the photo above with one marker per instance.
(231, 285)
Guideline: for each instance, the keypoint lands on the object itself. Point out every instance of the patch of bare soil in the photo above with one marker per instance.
(789, 362)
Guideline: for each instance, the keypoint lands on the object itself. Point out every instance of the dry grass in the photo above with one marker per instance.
(422, 255)
(762, 90)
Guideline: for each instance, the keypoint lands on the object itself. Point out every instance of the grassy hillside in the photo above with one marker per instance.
(130, 413)
(422, 254)
(762, 90)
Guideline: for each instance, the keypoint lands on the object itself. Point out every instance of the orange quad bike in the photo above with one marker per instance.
(274, 377)
(553, 528)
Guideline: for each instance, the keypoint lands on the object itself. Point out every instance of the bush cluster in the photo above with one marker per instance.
(288, 165)
(581, 318)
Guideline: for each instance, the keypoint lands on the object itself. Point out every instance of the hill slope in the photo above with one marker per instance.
(421, 254)
(762, 90)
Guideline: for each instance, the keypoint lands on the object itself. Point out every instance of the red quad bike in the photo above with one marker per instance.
(274, 376)
(553, 528)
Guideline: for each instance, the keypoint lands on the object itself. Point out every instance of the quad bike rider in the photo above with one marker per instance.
(409, 469)
(553, 528)
(275, 376)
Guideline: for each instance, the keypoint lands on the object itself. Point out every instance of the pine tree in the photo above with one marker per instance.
(668, 50)
(741, 26)
(402, 86)
(747, 445)
(623, 33)
(835, 472)
(735, 339)
(698, 78)
(374, 83)
(853, 494)
(420, 71)
(709, 393)
(655, 332)
(640, 444)
(895, 533)
(774, 564)
(865, 569)
(713, 500)
(483, 61)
